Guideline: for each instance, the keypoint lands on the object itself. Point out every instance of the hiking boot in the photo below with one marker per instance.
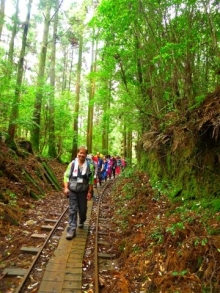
(70, 235)
(81, 225)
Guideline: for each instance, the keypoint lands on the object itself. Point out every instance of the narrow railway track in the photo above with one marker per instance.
(98, 261)
(53, 230)
(39, 238)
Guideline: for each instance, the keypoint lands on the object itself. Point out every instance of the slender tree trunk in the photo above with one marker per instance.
(15, 110)
(2, 16)
(35, 133)
(128, 154)
(124, 145)
(64, 69)
(51, 144)
(70, 69)
(14, 32)
(105, 131)
(91, 96)
(76, 108)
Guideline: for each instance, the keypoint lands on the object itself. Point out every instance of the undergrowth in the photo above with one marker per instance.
(173, 246)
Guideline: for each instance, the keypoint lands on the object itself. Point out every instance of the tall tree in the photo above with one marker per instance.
(2, 16)
(76, 106)
(15, 106)
(79, 25)
(13, 35)
(35, 133)
(92, 85)
(106, 118)
(51, 142)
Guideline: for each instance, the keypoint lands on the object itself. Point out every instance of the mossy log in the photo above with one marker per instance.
(29, 178)
(33, 194)
(42, 173)
(51, 177)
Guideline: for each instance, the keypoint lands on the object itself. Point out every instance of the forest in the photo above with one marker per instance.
(138, 79)
(142, 83)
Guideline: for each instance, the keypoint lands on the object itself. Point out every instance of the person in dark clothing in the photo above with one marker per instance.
(114, 165)
(78, 187)
(104, 169)
(109, 172)
(100, 163)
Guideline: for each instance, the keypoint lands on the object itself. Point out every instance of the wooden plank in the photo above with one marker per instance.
(15, 271)
(50, 220)
(106, 255)
(30, 249)
(47, 227)
(51, 286)
(73, 285)
(43, 236)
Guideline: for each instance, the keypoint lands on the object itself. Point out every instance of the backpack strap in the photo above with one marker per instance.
(71, 169)
(88, 168)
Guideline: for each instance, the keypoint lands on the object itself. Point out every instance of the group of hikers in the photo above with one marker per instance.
(106, 167)
(82, 174)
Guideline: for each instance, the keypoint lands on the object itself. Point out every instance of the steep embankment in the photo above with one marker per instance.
(24, 178)
(165, 247)
(182, 152)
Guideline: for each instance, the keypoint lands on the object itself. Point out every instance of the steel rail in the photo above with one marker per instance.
(21, 285)
(96, 271)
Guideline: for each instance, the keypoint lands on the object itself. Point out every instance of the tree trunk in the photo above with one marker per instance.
(128, 153)
(35, 133)
(15, 110)
(2, 16)
(76, 108)
(51, 143)
(91, 97)
(105, 131)
(14, 32)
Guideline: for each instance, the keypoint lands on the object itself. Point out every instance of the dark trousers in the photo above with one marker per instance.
(100, 177)
(77, 204)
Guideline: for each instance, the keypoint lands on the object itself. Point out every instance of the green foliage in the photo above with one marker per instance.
(161, 187)
(153, 58)
(200, 241)
(174, 227)
(212, 204)
(198, 102)
(180, 274)
(128, 172)
(157, 235)
(12, 198)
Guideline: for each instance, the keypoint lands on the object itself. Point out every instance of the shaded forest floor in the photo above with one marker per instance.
(164, 247)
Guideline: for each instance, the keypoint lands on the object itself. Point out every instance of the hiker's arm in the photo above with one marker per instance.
(66, 179)
(90, 192)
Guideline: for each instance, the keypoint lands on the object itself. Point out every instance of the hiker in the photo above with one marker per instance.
(118, 167)
(104, 169)
(114, 165)
(95, 163)
(91, 160)
(78, 187)
(109, 167)
(99, 163)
